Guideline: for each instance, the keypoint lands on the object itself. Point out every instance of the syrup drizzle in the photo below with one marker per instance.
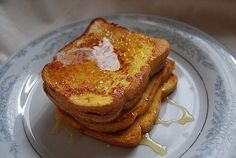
(73, 136)
(185, 118)
(155, 146)
(59, 126)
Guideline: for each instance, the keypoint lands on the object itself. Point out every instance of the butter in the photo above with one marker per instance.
(103, 54)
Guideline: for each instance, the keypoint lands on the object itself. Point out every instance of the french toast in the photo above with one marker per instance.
(82, 88)
(89, 119)
(132, 136)
(127, 118)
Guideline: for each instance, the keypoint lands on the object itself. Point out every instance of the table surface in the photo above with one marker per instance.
(23, 21)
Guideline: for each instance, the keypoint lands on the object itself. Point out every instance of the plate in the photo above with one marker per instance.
(206, 72)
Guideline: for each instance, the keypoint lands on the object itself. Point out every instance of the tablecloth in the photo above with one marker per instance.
(23, 20)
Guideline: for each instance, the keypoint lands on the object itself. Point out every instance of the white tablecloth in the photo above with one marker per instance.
(23, 20)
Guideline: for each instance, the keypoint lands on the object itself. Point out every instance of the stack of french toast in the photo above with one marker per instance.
(109, 82)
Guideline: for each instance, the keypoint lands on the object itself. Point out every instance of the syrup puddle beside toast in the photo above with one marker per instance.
(186, 117)
(155, 146)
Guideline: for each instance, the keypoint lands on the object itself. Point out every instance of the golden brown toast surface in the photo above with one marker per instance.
(131, 136)
(84, 87)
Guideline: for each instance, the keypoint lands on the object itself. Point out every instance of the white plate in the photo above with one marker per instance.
(206, 86)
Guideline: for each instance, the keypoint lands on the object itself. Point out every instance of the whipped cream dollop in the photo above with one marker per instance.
(103, 54)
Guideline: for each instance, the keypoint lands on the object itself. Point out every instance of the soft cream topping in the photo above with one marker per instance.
(103, 54)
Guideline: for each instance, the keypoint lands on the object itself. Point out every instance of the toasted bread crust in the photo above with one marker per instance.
(168, 86)
(59, 86)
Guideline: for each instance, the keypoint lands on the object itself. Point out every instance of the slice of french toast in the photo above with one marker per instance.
(131, 136)
(80, 85)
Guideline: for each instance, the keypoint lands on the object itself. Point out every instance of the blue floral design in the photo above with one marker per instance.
(4, 69)
(6, 132)
(220, 136)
